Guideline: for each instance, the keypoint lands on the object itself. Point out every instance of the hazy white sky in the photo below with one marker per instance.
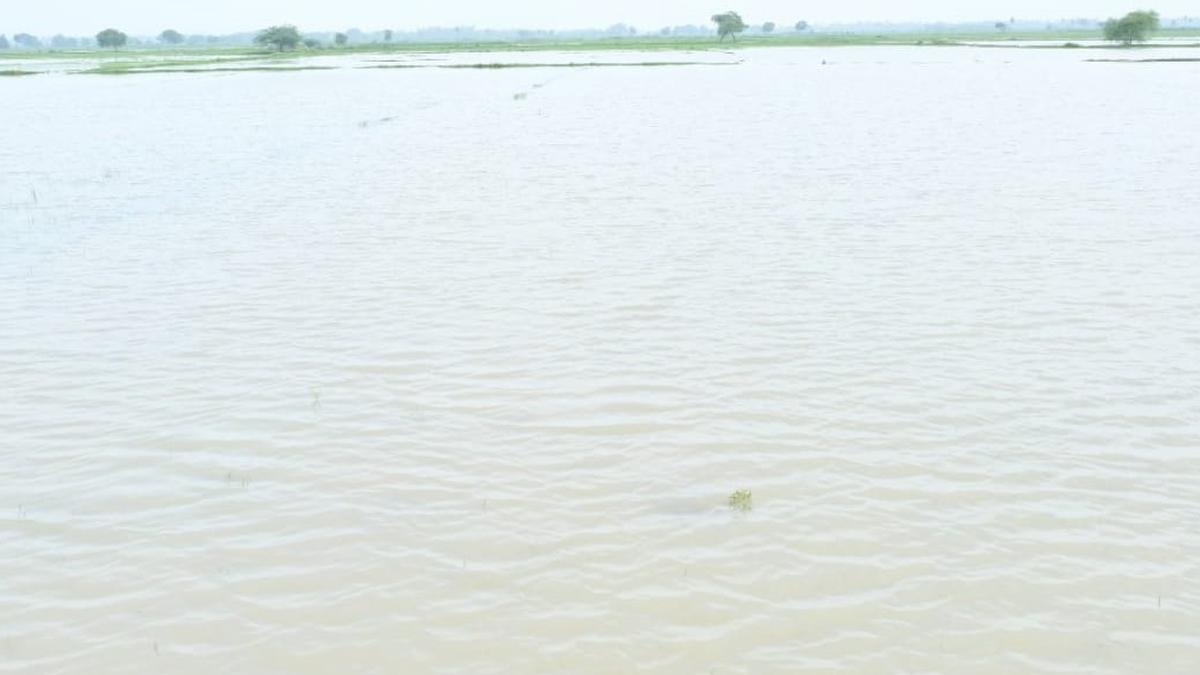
(45, 17)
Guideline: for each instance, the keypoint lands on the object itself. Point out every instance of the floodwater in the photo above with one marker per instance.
(454, 371)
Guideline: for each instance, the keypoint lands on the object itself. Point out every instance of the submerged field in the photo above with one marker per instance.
(867, 359)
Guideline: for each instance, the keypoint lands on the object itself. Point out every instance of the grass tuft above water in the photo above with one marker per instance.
(16, 73)
(742, 500)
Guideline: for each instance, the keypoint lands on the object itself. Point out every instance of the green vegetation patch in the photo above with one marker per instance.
(245, 69)
(586, 64)
(128, 66)
(1177, 60)
(1076, 45)
(742, 500)
(16, 73)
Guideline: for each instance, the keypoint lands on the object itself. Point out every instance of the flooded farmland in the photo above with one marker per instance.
(880, 359)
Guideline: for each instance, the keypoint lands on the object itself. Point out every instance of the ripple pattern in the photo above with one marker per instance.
(467, 391)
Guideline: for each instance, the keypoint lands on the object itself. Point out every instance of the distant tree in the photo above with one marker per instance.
(170, 37)
(312, 43)
(729, 24)
(1001, 26)
(3, 42)
(27, 41)
(665, 30)
(280, 37)
(111, 37)
(63, 42)
(769, 27)
(801, 26)
(387, 35)
(340, 39)
(1133, 27)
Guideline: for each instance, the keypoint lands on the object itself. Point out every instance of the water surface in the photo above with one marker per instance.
(444, 371)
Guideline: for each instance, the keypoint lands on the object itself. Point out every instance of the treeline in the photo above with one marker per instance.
(352, 35)
(171, 37)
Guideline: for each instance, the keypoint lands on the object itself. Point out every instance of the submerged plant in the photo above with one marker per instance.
(742, 500)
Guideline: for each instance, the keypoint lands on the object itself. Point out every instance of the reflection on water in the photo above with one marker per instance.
(469, 387)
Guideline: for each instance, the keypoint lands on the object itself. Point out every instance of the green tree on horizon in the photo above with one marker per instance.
(170, 36)
(1133, 27)
(280, 37)
(340, 39)
(111, 37)
(768, 27)
(3, 42)
(729, 24)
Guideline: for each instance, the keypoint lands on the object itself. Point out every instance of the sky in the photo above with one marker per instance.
(86, 17)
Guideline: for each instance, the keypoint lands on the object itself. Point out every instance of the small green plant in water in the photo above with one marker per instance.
(742, 500)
